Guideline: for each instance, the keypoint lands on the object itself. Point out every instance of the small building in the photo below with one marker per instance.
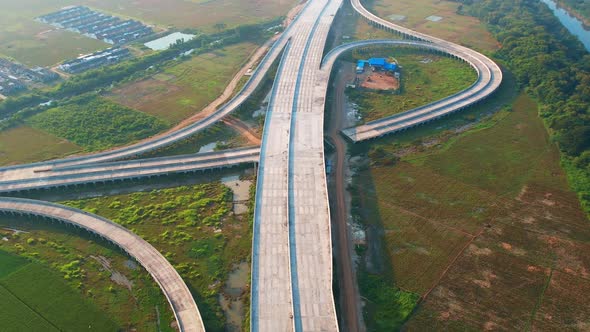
(376, 64)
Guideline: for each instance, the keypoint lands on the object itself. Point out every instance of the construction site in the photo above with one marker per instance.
(378, 74)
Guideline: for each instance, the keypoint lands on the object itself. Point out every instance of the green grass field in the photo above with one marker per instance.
(422, 83)
(184, 89)
(193, 227)
(35, 298)
(477, 222)
(95, 123)
(68, 258)
(10, 263)
(25, 144)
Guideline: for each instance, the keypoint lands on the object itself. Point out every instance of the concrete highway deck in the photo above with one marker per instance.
(291, 203)
(178, 295)
(108, 172)
(292, 252)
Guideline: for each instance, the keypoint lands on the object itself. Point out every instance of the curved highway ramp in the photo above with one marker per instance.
(178, 295)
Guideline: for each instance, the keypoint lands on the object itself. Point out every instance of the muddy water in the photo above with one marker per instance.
(241, 191)
(232, 297)
(208, 147)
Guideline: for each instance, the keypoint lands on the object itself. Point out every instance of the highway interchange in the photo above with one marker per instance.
(292, 249)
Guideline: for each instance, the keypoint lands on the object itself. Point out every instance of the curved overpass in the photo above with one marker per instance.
(489, 79)
(177, 293)
(122, 170)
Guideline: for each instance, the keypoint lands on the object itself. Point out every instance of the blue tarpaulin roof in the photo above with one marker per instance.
(377, 62)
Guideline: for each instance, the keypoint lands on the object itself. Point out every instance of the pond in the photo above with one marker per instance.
(165, 42)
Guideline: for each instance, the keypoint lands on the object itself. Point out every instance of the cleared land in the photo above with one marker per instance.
(187, 87)
(483, 227)
(35, 298)
(25, 144)
(195, 228)
(425, 78)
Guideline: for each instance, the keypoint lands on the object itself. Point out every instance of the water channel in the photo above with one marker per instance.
(571, 23)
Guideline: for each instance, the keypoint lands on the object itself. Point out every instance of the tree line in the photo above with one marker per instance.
(551, 65)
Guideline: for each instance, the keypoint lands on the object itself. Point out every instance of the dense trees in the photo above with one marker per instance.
(95, 123)
(553, 66)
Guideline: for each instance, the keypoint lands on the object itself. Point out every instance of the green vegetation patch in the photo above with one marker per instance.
(95, 123)
(193, 227)
(504, 157)
(425, 78)
(46, 295)
(10, 263)
(387, 307)
(16, 316)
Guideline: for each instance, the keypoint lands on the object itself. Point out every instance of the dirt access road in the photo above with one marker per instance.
(350, 304)
(241, 127)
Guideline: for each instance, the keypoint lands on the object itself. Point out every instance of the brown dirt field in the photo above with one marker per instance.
(499, 282)
(525, 236)
(380, 81)
(149, 95)
(560, 310)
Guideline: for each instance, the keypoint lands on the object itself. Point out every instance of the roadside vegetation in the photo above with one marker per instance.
(194, 228)
(222, 136)
(425, 78)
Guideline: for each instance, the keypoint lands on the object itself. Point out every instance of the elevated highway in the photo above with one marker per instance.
(488, 81)
(117, 171)
(177, 293)
(292, 252)
(291, 201)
